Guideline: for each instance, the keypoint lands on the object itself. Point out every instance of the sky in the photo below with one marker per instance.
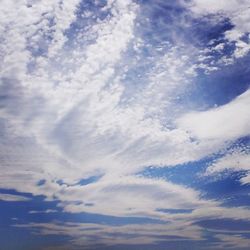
(124, 124)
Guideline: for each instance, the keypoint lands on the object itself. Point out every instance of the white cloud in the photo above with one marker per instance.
(133, 234)
(12, 197)
(213, 6)
(238, 13)
(234, 161)
(129, 196)
(27, 27)
(245, 179)
(232, 241)
(227, 122)
(47, 211)
(237, 160)
(75, 118)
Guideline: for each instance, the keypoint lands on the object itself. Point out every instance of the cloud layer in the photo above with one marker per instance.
(94, 91)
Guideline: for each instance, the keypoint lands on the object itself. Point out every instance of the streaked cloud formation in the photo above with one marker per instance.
(96, 93)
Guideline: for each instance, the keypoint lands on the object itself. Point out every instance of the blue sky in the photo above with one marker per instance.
(125, 124)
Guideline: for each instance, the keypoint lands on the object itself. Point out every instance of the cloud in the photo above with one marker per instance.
(237, 12)
(126, 234)
(110, 235)
(104, 102)
(237, 160)
(79, 117)
(227, 122)
(12, 197)
(30, 25)
(231, 241)
(151, 195)
(45, 211)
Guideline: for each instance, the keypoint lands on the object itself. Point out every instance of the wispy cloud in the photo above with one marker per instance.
(12, 197)
(227, 122)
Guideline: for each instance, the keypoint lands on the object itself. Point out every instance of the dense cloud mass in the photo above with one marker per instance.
(125, 124)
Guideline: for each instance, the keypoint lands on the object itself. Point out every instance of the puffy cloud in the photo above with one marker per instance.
(25, 32)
